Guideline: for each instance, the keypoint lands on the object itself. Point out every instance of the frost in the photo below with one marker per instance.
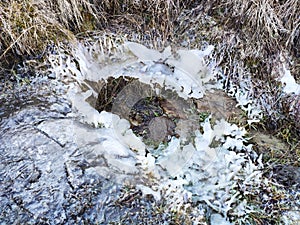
(224, 128)
(135, 143)
(291, 217)
(106, 119)
(87, 113)
(145, 54)
(186, 59)
(247, 103)
(289, 81)
(176, 157)
(214, 178)
(186, 80)
(214, 167)
(148, 191)
(218, 219)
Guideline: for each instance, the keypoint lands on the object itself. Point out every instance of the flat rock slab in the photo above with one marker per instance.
(219, 104)
(56, 170)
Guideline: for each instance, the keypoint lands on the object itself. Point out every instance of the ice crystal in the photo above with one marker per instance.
(214, 168)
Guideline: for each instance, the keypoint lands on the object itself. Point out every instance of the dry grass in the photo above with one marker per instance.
(29, 25)
(269, 24)
(26, 26)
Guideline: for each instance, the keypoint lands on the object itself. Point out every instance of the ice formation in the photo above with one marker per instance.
(215, 167)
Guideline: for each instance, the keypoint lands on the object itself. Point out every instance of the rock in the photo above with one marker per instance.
(218, 104)
(160, 128)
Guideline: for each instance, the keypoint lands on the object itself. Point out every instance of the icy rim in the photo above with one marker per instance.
(223, 177)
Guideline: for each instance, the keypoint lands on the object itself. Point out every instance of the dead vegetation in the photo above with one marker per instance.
(28, 26)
